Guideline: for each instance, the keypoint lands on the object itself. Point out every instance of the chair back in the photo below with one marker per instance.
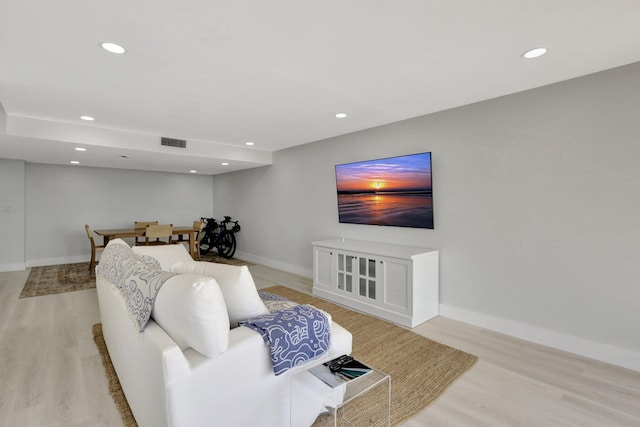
(90, 236)
(198, 226)
(142, 225)
(157, 231)
(94, 247)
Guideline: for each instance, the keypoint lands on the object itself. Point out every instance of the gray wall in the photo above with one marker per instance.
(536, 200)
(61, 199)
(12, 214)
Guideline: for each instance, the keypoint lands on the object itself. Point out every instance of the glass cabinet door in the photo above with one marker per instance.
(346, 272)
(367, 275)
(341, 271)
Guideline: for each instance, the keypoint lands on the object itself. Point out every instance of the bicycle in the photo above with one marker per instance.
(219, 235)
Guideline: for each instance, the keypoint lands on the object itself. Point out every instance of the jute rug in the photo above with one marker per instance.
(214, 257)
(55, 279)
(420, 369)
(115, 389)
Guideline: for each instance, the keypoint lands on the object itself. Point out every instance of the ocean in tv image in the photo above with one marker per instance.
(393, 191)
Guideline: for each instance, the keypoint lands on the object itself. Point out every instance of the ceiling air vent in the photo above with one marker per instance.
(171, 142)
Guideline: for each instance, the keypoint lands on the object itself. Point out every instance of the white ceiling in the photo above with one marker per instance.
(220, 73)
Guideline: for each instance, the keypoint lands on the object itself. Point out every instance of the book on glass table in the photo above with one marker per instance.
(340, 370)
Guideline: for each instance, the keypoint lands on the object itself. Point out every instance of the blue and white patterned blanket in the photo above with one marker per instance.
(138, 278)
(294, 335)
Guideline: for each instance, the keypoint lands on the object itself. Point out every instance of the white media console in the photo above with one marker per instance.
(393, 282)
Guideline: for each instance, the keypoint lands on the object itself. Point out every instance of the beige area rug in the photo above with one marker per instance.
(420, 369)
(55, 279)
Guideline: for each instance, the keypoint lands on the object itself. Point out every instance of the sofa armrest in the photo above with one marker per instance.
(144, 361)
(238, 387)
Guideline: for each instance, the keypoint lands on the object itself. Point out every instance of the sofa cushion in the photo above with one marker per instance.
(191, 310)
(138, 279)
(236, 283)
(118, 242)
(166, 255)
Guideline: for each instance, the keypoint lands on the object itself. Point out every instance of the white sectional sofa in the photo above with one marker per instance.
(196, 369)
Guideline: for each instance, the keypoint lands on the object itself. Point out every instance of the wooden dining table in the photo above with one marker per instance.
(122, 233)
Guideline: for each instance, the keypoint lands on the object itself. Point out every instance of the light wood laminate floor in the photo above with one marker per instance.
(51, 373)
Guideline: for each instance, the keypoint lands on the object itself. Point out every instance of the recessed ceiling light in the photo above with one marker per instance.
(193, 171)
(341, 115)
(74, 162)
(124, 157)
(249, 143)
(87, 118)
(224, 164)
(112, 47)
(534, 53)
(80, 149)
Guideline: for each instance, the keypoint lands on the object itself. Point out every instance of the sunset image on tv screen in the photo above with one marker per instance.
(393, 191)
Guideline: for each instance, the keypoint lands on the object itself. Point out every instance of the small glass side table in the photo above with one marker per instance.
(339, 403)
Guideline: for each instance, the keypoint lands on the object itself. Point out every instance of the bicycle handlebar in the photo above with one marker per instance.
(212, 223)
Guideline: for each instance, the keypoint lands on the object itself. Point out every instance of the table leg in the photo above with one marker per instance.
(191, 242)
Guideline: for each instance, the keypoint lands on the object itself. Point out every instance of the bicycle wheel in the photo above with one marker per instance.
(227, 245)
(205, 244)
(232, 252)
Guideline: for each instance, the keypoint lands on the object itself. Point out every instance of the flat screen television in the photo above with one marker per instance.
(394, 191)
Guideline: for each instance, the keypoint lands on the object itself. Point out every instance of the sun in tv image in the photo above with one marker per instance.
(393, 191)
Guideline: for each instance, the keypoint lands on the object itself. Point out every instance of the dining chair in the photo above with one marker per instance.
(94, 248)
(198, 226)
(142, 225)
(183, 239)
(159, 231)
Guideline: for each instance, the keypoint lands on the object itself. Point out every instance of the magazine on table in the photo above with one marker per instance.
(340, 370)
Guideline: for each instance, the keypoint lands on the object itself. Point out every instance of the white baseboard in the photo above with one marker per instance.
(572, 344)
(57, 261)
(20, 266)
(289, 268)
(569, 343)
(44, 261)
